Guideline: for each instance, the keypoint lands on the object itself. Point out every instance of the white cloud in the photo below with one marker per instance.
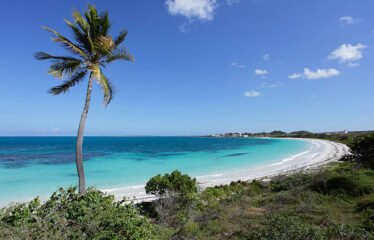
(295, 75)
(184, 27)
(261, 72)
(347, 53)
(353, 64)
(231, 2)
(252, 93)
(266, 57)
(319, 73)
(273, 85)
(54, 130)
(348, 20)
(237, 65)
(192, 9)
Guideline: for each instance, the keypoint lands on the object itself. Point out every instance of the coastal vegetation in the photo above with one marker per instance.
(92, 50)
(341, 137)
(334, 202)
(71, 215)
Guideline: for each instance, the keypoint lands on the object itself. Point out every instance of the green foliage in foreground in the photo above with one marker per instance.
(332, 203)
(69, 215)
(174, 182)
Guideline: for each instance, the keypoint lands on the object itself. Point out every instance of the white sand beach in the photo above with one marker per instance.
(320, 153)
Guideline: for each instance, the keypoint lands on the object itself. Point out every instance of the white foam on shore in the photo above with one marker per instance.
(320, 152)
(290, 158)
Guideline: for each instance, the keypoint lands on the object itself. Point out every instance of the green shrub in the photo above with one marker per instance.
(174, 182)
(258, 186)
(343, 184)
(177, 197)
(362, 149)
(366, 208)
(69, 215)
(215, 192)
(285, 199)
(279, 227)
(284, 182)
(343, 180)
(343, 232)
(366, 203)
(190, 229)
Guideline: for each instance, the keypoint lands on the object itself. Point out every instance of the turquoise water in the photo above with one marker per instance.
(37, 166)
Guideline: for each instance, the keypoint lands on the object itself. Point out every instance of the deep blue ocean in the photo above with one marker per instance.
(37, 166)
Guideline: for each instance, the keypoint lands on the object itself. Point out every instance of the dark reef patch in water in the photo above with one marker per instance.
(139, 159)
(24, 160)
(235, 154)
(167, 154)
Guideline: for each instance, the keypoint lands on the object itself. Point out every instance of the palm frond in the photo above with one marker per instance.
(67, 43)
(107, 88)
(80, 35)
(82, 23)
(119, 54)
(84, 27)
(104, 23)
(61, 69)
(46, 56)
(63, 88)
(92, 20)
(121, 37)
(104, 46)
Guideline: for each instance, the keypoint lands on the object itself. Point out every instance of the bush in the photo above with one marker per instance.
(174, 182)
(284, 182)
(343, 184)
(366, 208)
(177, 197)
(347, 232)
(279, 227)
(348, 182)
(69, 215)
(362, 149)
(285, 199)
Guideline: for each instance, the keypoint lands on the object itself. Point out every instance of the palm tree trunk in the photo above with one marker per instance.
(78, 155)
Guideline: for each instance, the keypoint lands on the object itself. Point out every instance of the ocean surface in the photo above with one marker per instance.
(37, 166)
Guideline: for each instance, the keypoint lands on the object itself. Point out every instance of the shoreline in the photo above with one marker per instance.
(320, 153)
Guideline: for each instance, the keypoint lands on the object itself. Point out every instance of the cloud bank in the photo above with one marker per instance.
(318, 74)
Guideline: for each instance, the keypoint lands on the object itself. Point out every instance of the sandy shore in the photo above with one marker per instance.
(320, 153)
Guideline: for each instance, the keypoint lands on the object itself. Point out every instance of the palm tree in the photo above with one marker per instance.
(92, 50)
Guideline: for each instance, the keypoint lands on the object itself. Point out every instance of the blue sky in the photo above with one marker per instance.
(201, 67)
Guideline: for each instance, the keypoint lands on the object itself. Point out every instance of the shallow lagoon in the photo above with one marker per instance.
(37, 166)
